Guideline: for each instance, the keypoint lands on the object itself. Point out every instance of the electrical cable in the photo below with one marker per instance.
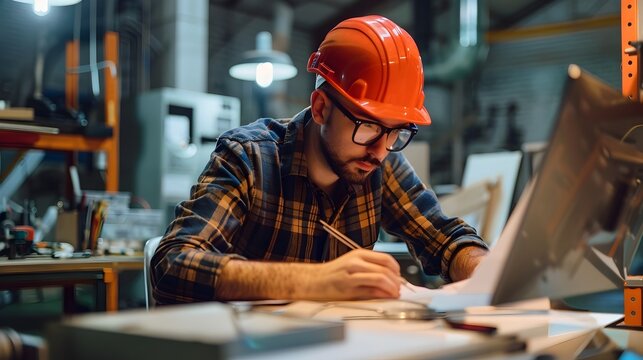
(630, 131)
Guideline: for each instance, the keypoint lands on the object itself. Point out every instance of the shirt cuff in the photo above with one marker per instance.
(224, 261)
(453, 249)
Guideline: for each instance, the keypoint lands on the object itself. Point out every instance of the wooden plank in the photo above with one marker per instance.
(111, 288)
(112, 108)
(72, 61)
(62, 142)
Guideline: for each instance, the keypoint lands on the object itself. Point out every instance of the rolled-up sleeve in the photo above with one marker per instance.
(198, 242)
(411, 211)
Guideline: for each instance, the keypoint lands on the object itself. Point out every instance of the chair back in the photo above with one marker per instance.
(477, 204)
(148, 252)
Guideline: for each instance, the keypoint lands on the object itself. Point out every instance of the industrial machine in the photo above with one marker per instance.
(168, 146)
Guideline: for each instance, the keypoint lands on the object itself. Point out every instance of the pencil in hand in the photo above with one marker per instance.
(353, 245)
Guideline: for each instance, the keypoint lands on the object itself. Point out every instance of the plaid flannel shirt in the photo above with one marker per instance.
(254, 201)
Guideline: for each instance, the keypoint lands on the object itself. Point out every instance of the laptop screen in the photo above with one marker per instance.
(585, 206)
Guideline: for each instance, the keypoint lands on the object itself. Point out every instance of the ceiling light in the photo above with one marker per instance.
(41, 7)
(264, 65)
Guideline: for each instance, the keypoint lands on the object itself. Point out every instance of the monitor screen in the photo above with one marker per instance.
(586, 198)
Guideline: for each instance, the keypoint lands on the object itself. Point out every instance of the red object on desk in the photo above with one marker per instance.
(17, 138)
(28, 229)
(460, 325)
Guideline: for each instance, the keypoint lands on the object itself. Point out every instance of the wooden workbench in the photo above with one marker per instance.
(100, 271)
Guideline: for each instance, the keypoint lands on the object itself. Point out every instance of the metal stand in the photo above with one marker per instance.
(633, 301)
(631, 66)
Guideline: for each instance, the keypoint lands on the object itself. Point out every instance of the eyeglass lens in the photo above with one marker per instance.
(367, 133)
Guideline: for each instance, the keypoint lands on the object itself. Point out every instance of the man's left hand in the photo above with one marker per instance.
(466, 260)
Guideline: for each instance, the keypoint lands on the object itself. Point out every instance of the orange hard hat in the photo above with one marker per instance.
(375, 65)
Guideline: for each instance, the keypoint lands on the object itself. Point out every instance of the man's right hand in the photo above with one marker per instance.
(359, 274)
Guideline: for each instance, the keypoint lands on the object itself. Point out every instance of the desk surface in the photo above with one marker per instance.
(102, 271)
(560, 333)
(30, 265)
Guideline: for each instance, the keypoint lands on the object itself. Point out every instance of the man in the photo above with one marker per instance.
(251, 228)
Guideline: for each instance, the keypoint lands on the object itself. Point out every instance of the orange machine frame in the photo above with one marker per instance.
(112, 107)
(633, 289)
(629, 59)
(77, 142)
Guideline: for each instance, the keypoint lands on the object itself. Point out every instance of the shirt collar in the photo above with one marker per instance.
(293, 158)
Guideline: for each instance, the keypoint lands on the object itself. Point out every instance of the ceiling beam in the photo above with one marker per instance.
(522, 13)
(268, 14)
(358, 8)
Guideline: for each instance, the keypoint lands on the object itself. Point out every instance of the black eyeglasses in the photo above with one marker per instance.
(369, 132)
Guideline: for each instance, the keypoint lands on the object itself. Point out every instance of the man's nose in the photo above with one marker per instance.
(378, 149)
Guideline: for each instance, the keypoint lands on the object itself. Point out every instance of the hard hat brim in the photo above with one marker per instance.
(385, 112)
(393, 113)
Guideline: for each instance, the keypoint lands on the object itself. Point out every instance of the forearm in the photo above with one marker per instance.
(359, 274)
(465, 262)
(251, 280)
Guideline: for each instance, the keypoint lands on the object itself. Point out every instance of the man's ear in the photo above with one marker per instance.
(320, 106)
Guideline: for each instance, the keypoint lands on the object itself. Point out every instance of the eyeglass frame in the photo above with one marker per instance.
(386, 130)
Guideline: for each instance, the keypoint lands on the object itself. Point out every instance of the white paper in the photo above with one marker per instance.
(477, 290)
(487, 275)
(609, 262)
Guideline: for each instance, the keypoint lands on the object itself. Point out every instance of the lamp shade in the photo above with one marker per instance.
(53, 2)
(264, 64)
(41, 7)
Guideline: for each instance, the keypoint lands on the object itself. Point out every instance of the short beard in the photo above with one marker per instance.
(342, 168)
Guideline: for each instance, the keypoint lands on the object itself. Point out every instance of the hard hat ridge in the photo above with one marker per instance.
(376, 66)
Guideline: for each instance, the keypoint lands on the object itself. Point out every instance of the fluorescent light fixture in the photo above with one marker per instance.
(264, 65)
(41, 7)
(468, 22)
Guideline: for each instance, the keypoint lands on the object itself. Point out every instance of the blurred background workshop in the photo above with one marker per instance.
(110, 109)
